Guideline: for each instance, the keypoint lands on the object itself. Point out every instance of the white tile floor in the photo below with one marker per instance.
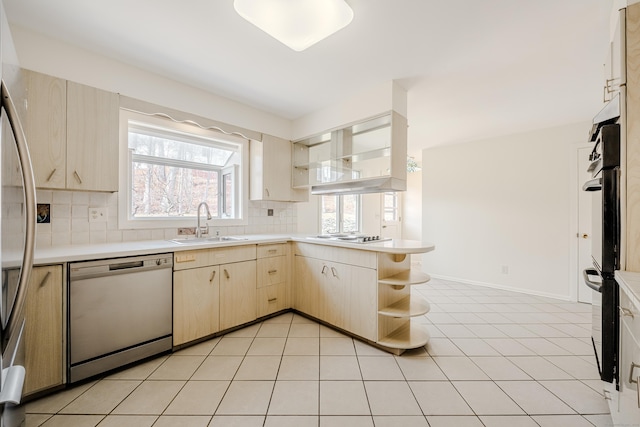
(496, 359)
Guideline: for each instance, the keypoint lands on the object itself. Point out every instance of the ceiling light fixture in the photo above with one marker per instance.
(296, 23)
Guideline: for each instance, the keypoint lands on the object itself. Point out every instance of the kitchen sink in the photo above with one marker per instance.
(205, 240)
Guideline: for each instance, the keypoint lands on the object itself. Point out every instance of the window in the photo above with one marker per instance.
(391, 209)
(340, 214)
(172, 167)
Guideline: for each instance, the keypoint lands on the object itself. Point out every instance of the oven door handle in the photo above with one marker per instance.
(595, 285)
(593, 185)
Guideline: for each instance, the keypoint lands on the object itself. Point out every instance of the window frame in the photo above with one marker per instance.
(340, 213)
(241, 177)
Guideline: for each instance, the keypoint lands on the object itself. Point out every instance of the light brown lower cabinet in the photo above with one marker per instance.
(237, 293)
(43, 334)
(196, 296)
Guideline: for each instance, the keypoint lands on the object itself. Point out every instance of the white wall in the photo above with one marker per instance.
(412, 207)
(503, 203)
(61, 60)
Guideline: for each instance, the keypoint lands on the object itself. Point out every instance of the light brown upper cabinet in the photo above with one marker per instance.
(92, 138)
(72, 131)
(271, 169)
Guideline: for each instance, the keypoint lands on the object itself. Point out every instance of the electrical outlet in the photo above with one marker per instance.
(269, 212)
(98, 214)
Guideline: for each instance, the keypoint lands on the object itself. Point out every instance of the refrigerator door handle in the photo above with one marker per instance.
(593, 284)
(12, 382)
(15, 318)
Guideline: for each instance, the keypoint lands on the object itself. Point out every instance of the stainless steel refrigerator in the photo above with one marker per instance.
(18, 225)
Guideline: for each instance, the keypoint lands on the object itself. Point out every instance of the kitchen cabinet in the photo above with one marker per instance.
(92, 138)
(337, 286)
(630, 144)
(626, 407)
(73, 132)
(237, 293)
(196, 297)
(213, 290)
(370, 155)
(271, 171)
(43, 333)
(366, 293)
(614, 64)
(46, 128)
(272, 278)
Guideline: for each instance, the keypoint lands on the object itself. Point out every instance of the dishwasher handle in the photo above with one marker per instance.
(125, 265)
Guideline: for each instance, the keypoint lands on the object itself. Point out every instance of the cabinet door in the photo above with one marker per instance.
(334, 293)
(237, 293)
(43, 330)
(92, 138)
(307, 273)
(196, 301)
(46, 128)
(362, 316)
(271, 171)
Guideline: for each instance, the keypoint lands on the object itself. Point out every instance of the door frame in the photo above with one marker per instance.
(575, 277)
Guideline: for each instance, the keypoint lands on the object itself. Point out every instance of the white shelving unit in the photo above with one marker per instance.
(397, 306)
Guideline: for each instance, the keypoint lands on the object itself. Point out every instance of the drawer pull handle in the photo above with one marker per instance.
(75, 174)
(272, 299)
(607, 394)
(51, 174)
(626, 312)
(213, 276)
(633, 366)
(272, 251)
(273, 271)
(334, 272)
(324, 268)
(45, 279)
(226, 274)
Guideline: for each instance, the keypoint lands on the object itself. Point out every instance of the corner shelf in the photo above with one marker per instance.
(406, 307)
(406, 337)
(396, 305)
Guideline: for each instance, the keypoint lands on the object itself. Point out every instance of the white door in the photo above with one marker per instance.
(583, 235)
(391, 215)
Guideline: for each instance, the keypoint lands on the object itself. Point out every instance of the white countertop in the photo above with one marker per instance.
(60, 254)
(629, 282)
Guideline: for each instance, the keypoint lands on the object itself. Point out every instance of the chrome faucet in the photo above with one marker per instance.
(198, 229)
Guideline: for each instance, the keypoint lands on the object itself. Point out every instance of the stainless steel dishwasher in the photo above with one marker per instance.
(120, 311)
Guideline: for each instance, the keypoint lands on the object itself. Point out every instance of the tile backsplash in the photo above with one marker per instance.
(70, 223)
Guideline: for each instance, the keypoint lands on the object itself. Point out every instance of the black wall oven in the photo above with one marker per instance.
(604, 185)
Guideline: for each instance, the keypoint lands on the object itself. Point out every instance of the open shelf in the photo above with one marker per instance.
(409, 306)
(407, 277)
(406, 337)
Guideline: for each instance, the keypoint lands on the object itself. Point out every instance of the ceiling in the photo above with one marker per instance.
(472, 69)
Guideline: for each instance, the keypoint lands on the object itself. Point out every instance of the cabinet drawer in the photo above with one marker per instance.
(271, 271)
(265, 251)
(190, 259)
(204, 257)
(272, 299)
(361, 258)
(630, 315)
(232, 254)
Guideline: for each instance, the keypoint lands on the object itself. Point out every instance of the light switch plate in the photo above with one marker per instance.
(97, 214)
